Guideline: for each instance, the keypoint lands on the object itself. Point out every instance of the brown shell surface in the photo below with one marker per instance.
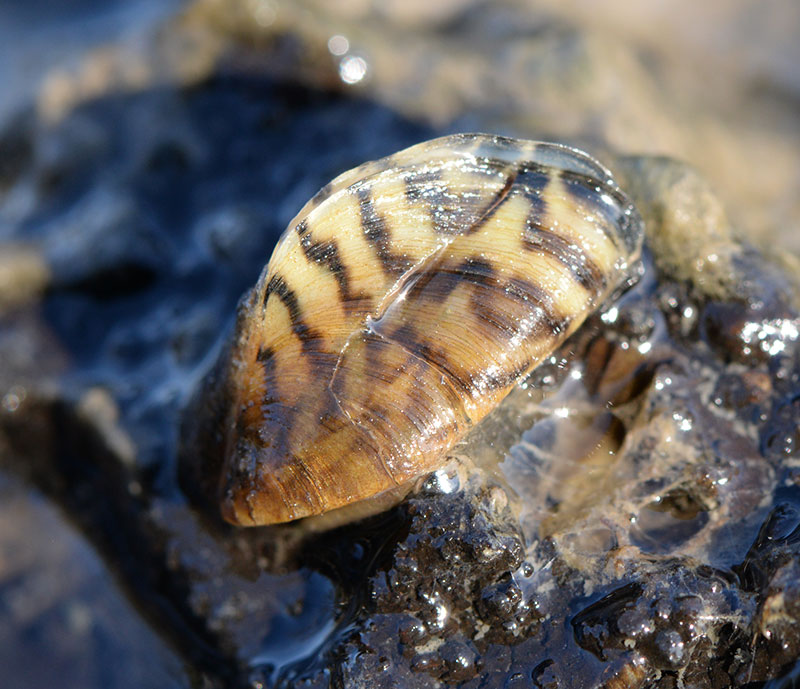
(401, 305)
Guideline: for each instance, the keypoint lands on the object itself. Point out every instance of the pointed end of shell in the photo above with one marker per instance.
(252, 489)
(234, 512)
(261, 501)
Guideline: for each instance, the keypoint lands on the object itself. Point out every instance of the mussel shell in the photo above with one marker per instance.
(401, 305)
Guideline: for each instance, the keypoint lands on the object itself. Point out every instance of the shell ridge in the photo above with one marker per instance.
(398, 292)
(313, 482)
(616, 229)
(568, 158)
(289, 507)
(448, 379)
(511, 170)
(424, 265)
(346, 413)
(499, 199)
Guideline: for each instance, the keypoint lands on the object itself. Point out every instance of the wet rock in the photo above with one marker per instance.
(63, 621)
(779, 437)
(446, 588)
(687, 228)
(16, 150)
(107, 247)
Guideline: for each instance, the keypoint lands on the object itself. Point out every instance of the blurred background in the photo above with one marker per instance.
(151, 151)
(715, 83)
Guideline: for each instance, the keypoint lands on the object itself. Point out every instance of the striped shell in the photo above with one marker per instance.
(401, 305)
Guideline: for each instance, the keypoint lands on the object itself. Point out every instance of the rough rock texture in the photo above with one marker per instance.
(629, 519)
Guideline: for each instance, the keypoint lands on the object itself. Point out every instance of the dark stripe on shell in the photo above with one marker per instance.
(264, 354)
(271, 430)
(422, 186)
(531, 182)
(325, 254)
(315, 490)
(439, 358)
(540, 239)
(537, 296)
(498, 201)
(588, 193)
(437, 282)
(505, 379)
(274, 416)
(490, 294)
(378, 234)
(478, 271)
(455, 216)
(309, 338)
(421, 350)
(374, 346)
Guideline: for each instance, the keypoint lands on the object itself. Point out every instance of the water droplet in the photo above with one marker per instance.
(352, 69)
(338, 45)
(13, 399)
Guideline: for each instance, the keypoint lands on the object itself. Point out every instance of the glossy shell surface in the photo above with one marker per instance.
(401, 305)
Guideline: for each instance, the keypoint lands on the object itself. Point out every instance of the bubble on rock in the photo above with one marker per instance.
(671, 646)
